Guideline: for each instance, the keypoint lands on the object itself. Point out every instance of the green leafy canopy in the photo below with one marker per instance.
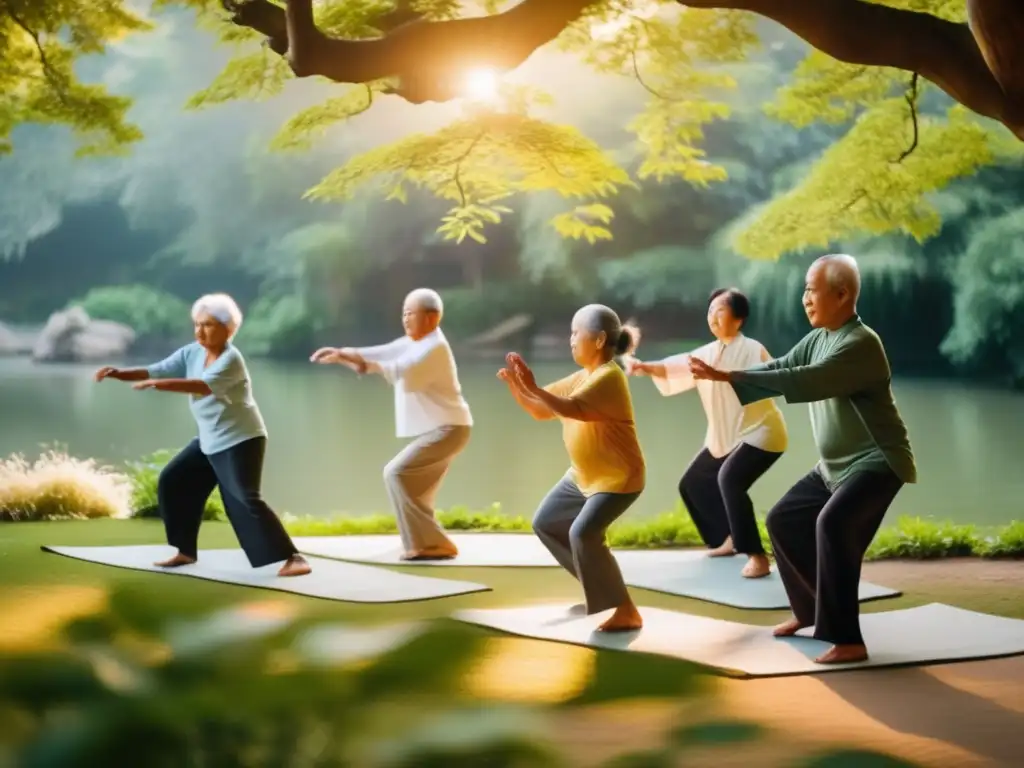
(691, 64)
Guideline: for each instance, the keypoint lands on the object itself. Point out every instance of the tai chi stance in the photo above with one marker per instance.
(429, 408)
(741, 443)
(229, 450)
(824, 524)
(607, 471)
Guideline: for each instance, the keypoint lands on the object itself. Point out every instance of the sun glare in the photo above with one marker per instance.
(481, 85)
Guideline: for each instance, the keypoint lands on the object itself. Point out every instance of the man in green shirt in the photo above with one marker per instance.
(824, 524)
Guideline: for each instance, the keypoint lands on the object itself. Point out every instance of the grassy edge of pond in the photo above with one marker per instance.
(910, 537)
(60, 487)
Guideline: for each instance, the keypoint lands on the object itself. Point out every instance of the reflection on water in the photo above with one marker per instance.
(332, 433)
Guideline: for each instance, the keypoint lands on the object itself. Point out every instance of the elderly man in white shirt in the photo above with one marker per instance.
(741, 443)
(429, 407)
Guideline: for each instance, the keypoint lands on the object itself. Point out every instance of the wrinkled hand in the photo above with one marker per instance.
(636, 367)
(147, 384)
(323, 355)
(106, 373)
(702, 370)
(524, 376)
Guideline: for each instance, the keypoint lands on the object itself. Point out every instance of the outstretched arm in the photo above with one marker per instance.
(196, 387)
(854, 366)
(122, 374)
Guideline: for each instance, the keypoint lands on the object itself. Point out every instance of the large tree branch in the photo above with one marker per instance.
(943, 52)
(428, 57)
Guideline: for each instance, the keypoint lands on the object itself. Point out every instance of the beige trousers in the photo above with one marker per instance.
(412, 479)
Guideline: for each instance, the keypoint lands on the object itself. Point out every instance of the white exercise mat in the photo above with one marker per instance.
(691, 573)
(681, 572)
(476, 550)
(330, 579)
(925, 635)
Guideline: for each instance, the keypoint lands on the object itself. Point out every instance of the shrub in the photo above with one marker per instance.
(59, 487)
(150, 312)
(911, 538)
(278, 325)
(143, 476)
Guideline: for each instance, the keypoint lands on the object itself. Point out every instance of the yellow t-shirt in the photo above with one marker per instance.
(605, 455)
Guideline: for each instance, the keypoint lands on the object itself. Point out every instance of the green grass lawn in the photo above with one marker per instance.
(41, 591)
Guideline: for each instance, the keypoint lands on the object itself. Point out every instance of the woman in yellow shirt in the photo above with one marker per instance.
(607, 469)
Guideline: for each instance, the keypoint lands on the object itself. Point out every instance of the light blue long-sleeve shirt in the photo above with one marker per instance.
(229, 415)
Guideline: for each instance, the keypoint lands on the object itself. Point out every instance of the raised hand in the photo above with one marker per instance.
(522, 371)
(106, 372)
(323, 355)
(636, 367)
(702, 370)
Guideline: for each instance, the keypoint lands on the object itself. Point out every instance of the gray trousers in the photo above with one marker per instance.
(572, 527)
(412, 479)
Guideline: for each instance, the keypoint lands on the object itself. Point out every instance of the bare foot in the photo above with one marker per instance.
(176, 561)
(432, 553)
(788, 628)
(843, 654)
(757, 567)
(725, 549)
(625, 619)
(295, 565)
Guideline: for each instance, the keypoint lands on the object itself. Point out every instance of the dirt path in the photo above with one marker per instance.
(946, 716)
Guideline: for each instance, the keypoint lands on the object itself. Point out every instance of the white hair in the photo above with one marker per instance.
(841, 271)
(426, 299)
(221, 308)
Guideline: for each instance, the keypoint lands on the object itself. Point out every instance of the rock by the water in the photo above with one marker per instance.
(71, 336)
(8, 341)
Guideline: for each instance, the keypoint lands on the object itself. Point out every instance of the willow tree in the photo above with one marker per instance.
(871, 68)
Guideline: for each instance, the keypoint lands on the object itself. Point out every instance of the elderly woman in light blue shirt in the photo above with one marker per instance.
(229, 451)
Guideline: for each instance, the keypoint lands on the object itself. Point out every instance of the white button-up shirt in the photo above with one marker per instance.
(426, 383)
(759, 424)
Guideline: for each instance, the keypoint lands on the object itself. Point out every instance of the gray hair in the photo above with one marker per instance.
(597, 318)
(221, 308)
(426, 299)
(841, 271)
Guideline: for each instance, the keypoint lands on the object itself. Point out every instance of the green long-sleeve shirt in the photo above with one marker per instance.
(845, 378)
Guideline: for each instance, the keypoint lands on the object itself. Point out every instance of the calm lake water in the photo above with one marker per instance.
(331, 434)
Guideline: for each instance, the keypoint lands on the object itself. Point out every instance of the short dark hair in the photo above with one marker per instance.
(737, 301)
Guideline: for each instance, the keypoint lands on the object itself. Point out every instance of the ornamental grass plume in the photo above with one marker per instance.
(57, 486)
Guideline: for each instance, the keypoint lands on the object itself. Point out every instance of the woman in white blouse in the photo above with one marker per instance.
(742, 443)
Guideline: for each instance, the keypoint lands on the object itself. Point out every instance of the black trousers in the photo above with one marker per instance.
(187, 482)
(715, 491)
(820, 538)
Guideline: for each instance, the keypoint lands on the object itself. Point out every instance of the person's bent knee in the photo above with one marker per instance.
(686, 483)
(830, 527)
(581, 534)
(771, 521)
(393, 471)
(540, 523)
(166, 482)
